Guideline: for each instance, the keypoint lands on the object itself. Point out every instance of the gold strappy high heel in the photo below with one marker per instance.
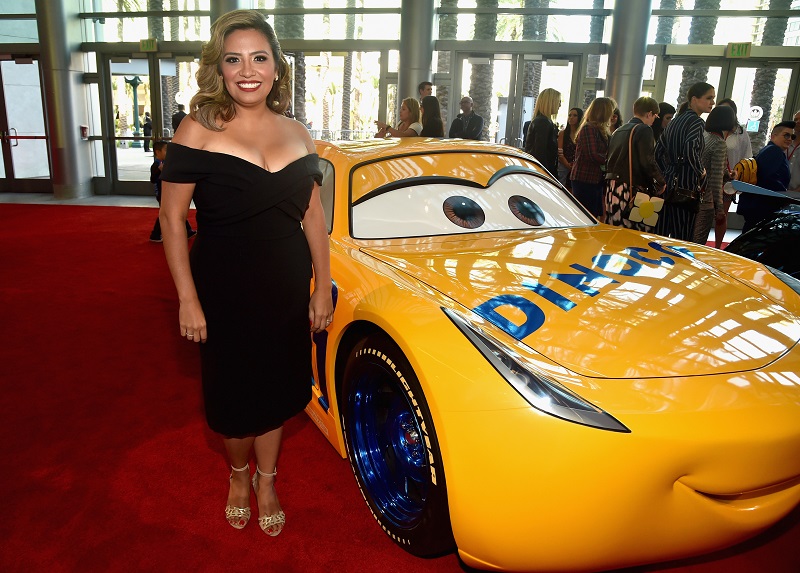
(273, 524)
(237, 516)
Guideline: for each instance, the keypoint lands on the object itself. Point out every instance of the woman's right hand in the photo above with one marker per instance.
(192, 321)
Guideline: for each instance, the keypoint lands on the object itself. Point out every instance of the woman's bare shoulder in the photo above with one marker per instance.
(191, 133)
(297, 129)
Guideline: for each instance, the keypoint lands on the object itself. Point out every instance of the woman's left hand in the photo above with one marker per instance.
(320, 309)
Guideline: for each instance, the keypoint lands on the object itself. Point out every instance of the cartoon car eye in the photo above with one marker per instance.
(526, 210)
(464, 212)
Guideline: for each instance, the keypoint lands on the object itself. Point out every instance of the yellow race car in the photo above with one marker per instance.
(512, 379)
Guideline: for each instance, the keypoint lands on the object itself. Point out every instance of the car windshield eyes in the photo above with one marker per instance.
(526, 210)
(464, 212)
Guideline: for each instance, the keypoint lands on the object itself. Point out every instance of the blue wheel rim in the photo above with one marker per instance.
(388, 448)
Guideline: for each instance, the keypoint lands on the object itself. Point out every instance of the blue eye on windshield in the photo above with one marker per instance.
(526, 211)
(464, 212)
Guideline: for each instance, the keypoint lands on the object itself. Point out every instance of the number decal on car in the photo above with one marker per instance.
(588, 281)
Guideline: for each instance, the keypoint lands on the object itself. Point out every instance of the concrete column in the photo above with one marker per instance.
(416, 47)
(65, 96)
(626, 53)
(220, 7)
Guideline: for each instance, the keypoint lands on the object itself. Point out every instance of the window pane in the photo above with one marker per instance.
(18, 7)
(135, 6)
(188, 28)
(727, 30)
(18, 31)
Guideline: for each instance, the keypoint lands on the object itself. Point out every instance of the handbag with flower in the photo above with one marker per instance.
(644, 207)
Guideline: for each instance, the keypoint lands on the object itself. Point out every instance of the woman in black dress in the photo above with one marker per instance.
(541, 140)
(566, 145)
(432, 125)
(244, 289)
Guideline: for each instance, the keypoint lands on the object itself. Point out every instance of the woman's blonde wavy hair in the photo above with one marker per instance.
(548, 103)
(212, 102)
(413, 108)
(599, 115)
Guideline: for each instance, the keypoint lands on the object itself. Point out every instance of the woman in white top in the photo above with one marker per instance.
(739, 147)
(409, 125)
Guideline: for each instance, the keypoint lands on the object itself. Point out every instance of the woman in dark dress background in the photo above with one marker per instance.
(244, 291)
(665, 114)
(591, 146)
(566, 145)
(541, 140)
(432, 125)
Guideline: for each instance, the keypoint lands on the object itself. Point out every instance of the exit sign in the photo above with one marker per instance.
(738, 50)
(148, 45)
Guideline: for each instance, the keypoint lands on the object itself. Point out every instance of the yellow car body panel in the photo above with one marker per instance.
(695, 351)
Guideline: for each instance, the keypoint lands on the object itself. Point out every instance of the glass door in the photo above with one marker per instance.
(515, 82)
(25, 165)
(342, 94)
(130, 98)
(680, 77)
(559, 73)
(490, 80)
(761, 94)
(142, 95)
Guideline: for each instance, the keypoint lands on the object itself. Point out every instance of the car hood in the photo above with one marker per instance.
(604, 302)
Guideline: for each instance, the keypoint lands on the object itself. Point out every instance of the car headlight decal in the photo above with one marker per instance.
(543, 394)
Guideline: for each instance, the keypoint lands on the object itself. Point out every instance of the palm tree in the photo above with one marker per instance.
(171, 85)
(596, 25)
(764, 80)
(482, 78)
(448, 30)
(350, 25)
(534, 28)
(666, 23)
(155, 29)
(701, 31)
(293, 26)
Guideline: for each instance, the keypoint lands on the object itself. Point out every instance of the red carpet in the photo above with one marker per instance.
(108, 465)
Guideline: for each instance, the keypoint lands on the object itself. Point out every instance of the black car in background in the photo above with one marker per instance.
(774, 242)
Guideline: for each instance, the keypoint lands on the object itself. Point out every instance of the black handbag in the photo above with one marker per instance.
(688, 199)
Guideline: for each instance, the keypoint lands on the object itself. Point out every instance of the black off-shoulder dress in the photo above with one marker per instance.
(252, 268)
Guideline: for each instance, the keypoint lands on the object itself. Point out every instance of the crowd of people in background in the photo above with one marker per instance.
(681, 163)
(422, 117)
(682, 159)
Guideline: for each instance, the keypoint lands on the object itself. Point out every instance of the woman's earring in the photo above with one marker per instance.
(275, 103)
